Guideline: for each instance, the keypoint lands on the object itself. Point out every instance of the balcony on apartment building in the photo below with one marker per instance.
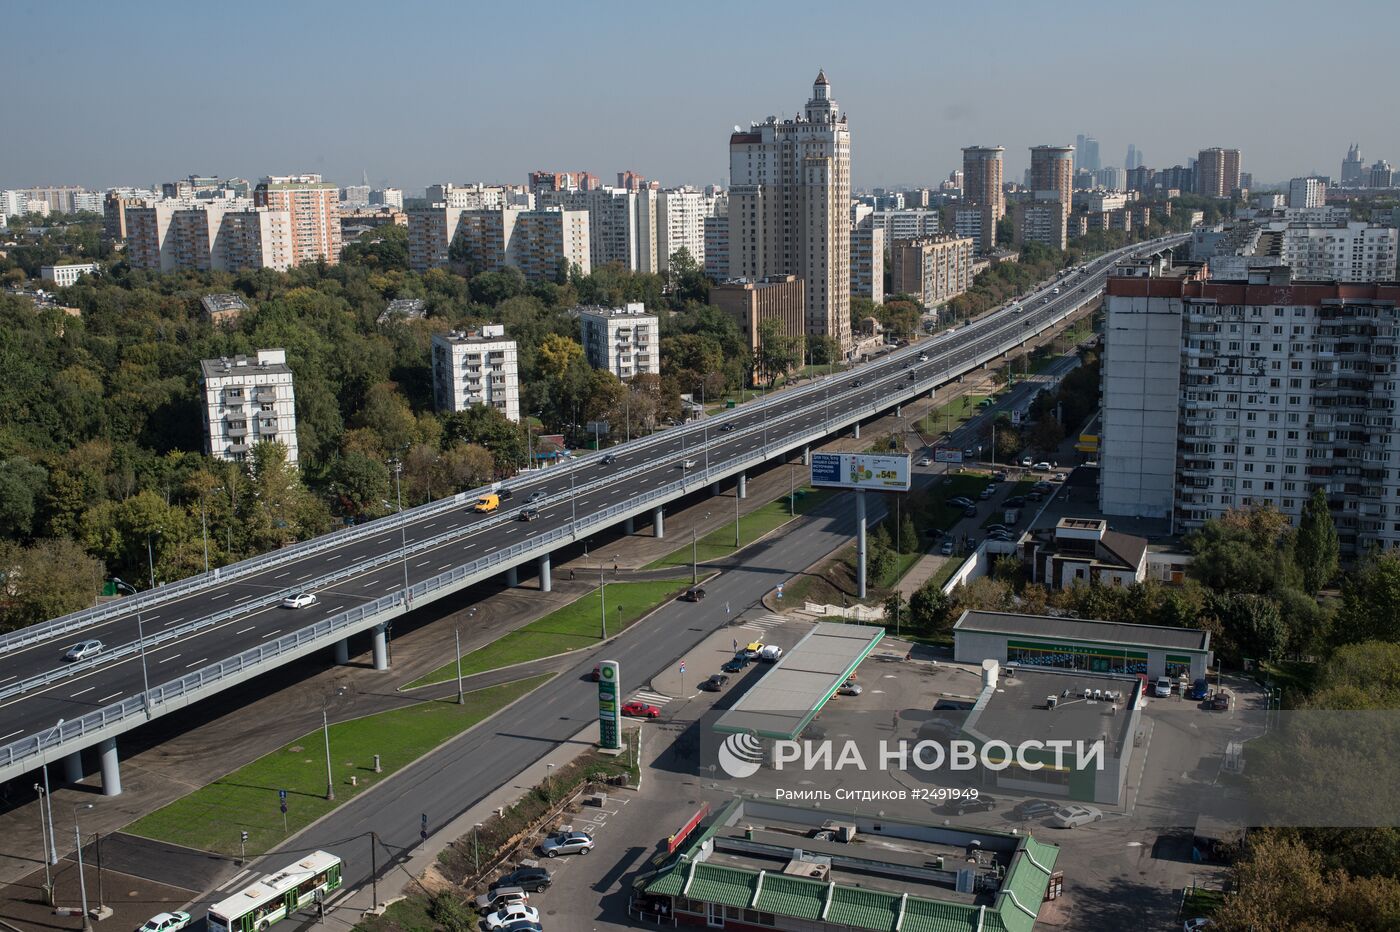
(265, 393)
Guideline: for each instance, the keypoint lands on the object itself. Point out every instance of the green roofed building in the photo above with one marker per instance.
(766, 865)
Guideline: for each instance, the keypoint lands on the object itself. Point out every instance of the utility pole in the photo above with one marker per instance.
(82, 879)
(602, 599)
(326, 733)
(457, 637)
(141, 646)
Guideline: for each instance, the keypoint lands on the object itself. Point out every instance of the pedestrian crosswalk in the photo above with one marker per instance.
(651, 698)
(763, 622)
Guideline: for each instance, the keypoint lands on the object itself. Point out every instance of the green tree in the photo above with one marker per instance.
(908, 534)
(778, 351)
(46, 580)
(22, 487)
(879, 555)
(929, 609)
(896, 610)
(279, 509)
(1316, 549)
(360, 484)
(1371, 601)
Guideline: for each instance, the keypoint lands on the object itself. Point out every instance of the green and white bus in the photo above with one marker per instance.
(276, 896)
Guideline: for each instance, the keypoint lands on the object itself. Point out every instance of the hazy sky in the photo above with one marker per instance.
(415, 92)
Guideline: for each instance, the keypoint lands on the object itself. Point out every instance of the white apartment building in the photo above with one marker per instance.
(386, 197)
(248, 401)
(625, 341)
(622, 224)
(228, 235)
(65, 275)
(1307, 192)
(680, 222)
(314, 206)
(1225, 394)
(468, 197)
(1349, 252)
(1041, 221)
(12, 203)
(538, 242)
(476, 368)
(789, 208)
(912, 223)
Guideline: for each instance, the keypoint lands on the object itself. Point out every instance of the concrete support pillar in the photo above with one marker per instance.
(857, 429)
(860, 543)
(342, 651)
(898, 410)
(807, 455)
(714, 488)
(111, 768)
(658, 523)
(931, 393)
(742, 489)
(629, 527)
(73, 767)
(381, 648)
(513, 576)
(546, 583)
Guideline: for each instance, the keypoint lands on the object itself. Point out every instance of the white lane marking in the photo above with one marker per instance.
(81, 691)
(424, 563)
(235, 878)
(173, 621)
(246, 630)
(151, 617)
(271, 633)
(12, 734)
(243, 598)
(8, 678)
(300, 578)
(445, 566)
(383, 539)
(333, 555)
(103, 699)
(429, 524)
(368, 584)
(168, 659)
(221, 595)
(197, 663)
(280, 575)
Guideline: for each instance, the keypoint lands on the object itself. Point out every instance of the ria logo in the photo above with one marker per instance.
(740, 756)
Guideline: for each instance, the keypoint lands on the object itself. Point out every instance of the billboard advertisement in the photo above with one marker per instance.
(881, 472)
(947, 455)
(609, 706)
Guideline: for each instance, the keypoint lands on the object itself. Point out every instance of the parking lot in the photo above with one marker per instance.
(1125, 871)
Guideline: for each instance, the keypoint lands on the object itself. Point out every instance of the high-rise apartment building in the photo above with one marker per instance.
(910, 223)
(1353, 170)
(1307, 192)
(750, 303)
(542, 244)
(622, 224)
(982, 180)
(1052, 174)
(1134, 159)
(717, 245)
(468, 197)
(868, 263)
(789, 205)
(933, 269)
(218, 236)
(1217, 172)
(314, 206)
(622, 340)
(246, 402)
(1226, 394)
(680, 222)
(1381, 174)
(476, 367)
(1043, 221)
(386, 197)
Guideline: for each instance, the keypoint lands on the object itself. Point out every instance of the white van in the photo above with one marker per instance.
(771, 653)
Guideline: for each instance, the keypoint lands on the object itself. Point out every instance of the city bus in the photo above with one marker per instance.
(276, 896)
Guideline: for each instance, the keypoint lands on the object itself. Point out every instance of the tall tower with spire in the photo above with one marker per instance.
(789, 208)
(1352, 168)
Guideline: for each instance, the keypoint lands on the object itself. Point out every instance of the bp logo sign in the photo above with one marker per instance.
(609, 706)
(740, 756)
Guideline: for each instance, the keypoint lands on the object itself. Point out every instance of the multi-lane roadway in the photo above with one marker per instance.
(425, 545)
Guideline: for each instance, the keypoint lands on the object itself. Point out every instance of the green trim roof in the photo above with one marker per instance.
(792, 896)
(867, 909)
(715, 883)
(1030, 872)
(921, 915)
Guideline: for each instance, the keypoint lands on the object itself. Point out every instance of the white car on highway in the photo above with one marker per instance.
(300, 600)
(166, 922)
(83, 650)
(1070, 816)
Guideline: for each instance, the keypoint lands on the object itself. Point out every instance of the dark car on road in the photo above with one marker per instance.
(609, 459)
(1015, 501)
(726, 428)
(715, 683)
(1199, 690)
(529, 514)
(693, 594)
(532, 879)
(737, 664)
(970, 511)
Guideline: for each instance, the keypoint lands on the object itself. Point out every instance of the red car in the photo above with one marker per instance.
(640, 710)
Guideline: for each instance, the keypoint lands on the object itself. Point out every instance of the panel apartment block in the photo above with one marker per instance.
(476, 368)
(248, 401)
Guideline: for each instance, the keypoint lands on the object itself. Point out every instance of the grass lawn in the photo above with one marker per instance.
(210, 818)
(946, 571)
(752, 526)
(1201, 902)
(952, 414)
(1295, 678)
(575, 625)
(835, 577)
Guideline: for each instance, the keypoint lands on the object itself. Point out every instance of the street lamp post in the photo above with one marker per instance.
(48, 793)
(204, 530)
(457, 637)
(82, 880)
(602, 599)
(476, 848)
(326, 734)
(403, 532)
(141, 647)
(151, 560)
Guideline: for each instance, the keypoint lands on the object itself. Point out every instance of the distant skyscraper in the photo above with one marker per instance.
(982, 178)
(1381, 174)
(1086, 153)
(1052, 173)
(1353, 173)
(314, 206)
(789, 208)
(1133, 160)
(1217, 172)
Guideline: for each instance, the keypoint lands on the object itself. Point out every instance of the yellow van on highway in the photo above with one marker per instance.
(488, 502)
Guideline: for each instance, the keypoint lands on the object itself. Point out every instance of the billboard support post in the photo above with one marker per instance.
(860, 543)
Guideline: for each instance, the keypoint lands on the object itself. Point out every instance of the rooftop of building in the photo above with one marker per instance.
(785, 700)
(403, 309)
(632, 310)
(1087, 706)
(223, 303)
(1084, 629)
(766, 281)
(1116, 548)
(491, 333)
(269, 361)
(889, 874)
